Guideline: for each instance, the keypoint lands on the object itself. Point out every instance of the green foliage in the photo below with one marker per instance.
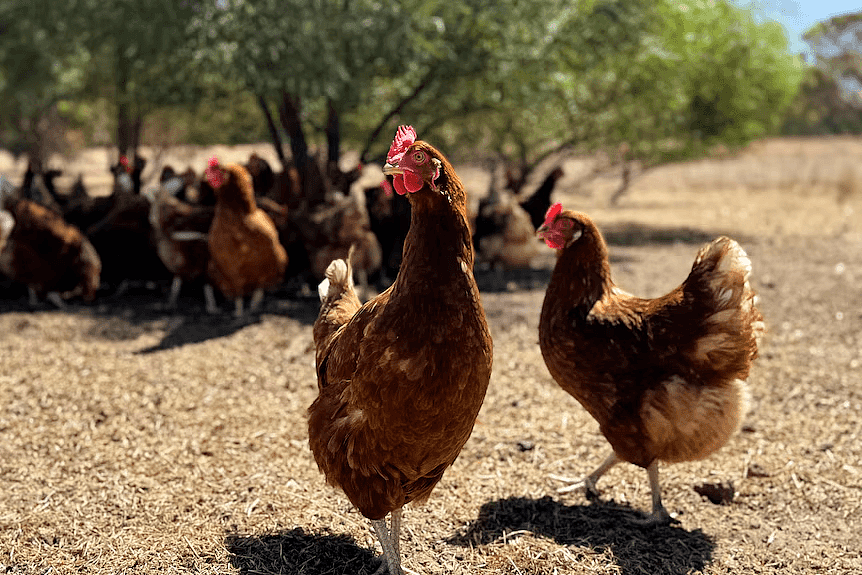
(667, 78)
(37, 72)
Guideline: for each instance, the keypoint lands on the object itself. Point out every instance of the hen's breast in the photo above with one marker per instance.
(387, 427)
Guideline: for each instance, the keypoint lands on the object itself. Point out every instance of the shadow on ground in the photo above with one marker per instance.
(634, 234)
(141, 309)
(297, 551)
(669, 550)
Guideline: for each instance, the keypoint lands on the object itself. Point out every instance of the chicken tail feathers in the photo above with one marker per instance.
(339, 303)
(720, 275)
(339, 279)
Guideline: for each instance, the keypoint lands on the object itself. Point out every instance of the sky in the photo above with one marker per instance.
(799, 15)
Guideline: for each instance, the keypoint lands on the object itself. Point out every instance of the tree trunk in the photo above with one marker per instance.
(333, 135)
(289, 114)
(124, 129)
(315, 185)
(273, 131)
(124, 120)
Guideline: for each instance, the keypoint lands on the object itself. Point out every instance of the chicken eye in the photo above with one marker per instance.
(419, 157)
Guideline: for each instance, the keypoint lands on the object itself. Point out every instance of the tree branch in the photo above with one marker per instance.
(394, 111)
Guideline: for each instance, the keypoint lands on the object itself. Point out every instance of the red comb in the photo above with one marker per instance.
(124, 161)
(213, 173)
(552, 213)
(404, 137)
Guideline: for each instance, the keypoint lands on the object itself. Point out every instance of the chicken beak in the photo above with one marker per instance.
(392, 169)
(543, 229)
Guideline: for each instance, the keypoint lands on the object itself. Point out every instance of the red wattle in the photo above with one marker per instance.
(412, 182)
(398, 182)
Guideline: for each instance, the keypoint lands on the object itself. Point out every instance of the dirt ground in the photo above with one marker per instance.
(133, 440)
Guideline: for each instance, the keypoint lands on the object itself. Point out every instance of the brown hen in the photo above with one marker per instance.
(401, 378)
(245, 254)
(39, 249)
(663, 377)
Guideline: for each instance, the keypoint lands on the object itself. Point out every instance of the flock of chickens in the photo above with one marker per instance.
(664, 377)
(242, 229)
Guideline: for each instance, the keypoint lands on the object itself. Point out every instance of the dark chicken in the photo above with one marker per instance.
(180, 231)
(663, 377)
(539, 201)
(395, 406)
(40, 250)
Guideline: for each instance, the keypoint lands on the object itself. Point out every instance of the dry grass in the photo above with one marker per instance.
(134, 441)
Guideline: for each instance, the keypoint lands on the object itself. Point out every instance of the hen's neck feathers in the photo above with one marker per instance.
(237, 193)
(438, 245)
(583, 272)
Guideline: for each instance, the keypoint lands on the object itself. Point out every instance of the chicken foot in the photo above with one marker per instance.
(659, 515)
(53, 297)
(390, 541)
(588, 484)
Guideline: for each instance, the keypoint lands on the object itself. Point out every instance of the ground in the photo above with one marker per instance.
(134, 440)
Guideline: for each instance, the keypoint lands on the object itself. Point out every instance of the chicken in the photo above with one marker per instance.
(663, 377)
(401, 378)
(335, 230)
(39, 249)
(181, 234)
(126, 241)
(262, 176)
(128, 175)
(540, 200)
(504, 236)
(245, 254)
(38, 186)
(389, 219)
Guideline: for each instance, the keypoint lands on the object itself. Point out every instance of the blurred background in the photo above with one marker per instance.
(664, 80)
(580, 100)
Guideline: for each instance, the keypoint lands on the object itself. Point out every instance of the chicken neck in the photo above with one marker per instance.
(437, 251)
(582, 274)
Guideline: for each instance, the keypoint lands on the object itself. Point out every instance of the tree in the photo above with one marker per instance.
(144, 56)
(641, 80)
(37, 72)
(821, 107)
(837, 47)
(371, 63)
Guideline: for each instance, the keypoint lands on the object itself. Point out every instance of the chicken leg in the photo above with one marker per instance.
(588, 484)
(390, 541)
(659, 516)
(256, 300)
(209, 296)
(176, 285)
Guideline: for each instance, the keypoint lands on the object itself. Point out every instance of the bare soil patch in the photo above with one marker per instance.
(138, 441)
